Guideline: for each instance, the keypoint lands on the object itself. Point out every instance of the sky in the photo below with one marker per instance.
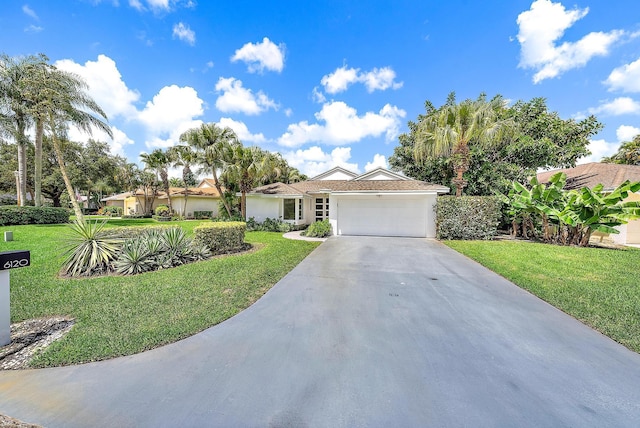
(331, 83)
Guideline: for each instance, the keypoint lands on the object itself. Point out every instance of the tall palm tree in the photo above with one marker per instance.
(183, 156)
(65, 103)
(449, 130)
(159, 161)
(15, 113)
(211, 143)
(249, 167)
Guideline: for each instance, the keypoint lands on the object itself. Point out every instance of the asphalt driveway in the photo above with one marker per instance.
(364, 332)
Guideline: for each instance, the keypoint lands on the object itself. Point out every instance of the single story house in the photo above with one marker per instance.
(610, 176)
(377, 203)
(184, 202)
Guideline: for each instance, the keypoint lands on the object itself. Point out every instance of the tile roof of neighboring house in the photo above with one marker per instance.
(193, 191)
(610, 175)
(209, 181)
(325, 186)
(173, 191)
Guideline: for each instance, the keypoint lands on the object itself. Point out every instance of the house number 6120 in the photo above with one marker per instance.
(12, 264)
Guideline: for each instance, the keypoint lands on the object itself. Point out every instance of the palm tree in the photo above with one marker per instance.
(211, 143)
(628, 153)
(249, 167)
(65, 102)
(15, 113)
(449, 130)
(183, 156)
(158, 161)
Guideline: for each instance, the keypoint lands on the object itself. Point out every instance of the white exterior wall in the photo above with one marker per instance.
(261, 208)
(194, 203)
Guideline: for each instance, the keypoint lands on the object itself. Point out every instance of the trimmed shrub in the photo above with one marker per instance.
(12, 215)
(467, 217)
(221, 237)
(201, 215)
(111, 211)
(163, 211)
(318, 229)
(8, 200)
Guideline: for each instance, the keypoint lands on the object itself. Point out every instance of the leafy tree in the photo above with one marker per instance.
(184, 156)
(15, 113)
(628, 153)
(211, 144)
(159, 161)
(448, 131)
(542, 140)
(65, 102)
(570, 217)
(249, 167)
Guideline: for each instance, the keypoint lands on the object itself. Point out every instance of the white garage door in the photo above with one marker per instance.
(383, 216)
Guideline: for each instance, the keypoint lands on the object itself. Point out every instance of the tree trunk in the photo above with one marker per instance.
(37, 176)
(219, 189)
(165, 183)
(21, 141)
(243, 205)
(67, 182)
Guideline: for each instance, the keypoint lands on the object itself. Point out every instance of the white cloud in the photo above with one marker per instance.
(30, 12)
(314, 161)
(171, 108)
(317, 96)
(339, 80)
(236, 98)
(242, 131)
(106, 86)
(116, 144)
(617, 107)
(626, 132)
(33, 29)
(184, 33)
(377, 79)
(380, 79)
(288, 112)
(543, 25)
(261, 56)
(343, 125)
(625, 78)
(379, 161)
(599, 149)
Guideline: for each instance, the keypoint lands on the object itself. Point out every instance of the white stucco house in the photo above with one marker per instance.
(377, 203)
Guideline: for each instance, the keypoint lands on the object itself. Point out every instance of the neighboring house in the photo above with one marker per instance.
(610, 176)
(201, 198)
(377, 203)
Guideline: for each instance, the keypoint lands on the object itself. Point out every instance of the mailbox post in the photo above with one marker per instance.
(9, 260)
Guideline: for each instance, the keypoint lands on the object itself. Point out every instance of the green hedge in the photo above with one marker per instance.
(11, 215)
(468, 217)
(318, 229)
(221, 237)
(199, 215)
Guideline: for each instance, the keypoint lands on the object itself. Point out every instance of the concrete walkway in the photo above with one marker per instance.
(373, 332)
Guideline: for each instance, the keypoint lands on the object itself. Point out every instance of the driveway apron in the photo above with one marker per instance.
(364, 332)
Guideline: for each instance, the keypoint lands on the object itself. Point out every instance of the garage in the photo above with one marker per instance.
(384, 215)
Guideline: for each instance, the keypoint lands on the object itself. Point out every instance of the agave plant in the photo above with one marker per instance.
(134, 258)
(90, 249)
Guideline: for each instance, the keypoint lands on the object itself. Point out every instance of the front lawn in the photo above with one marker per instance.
(118, 315)
(598, 286)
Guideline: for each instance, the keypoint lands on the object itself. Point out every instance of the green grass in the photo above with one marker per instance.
(598, 286)
(124, 315)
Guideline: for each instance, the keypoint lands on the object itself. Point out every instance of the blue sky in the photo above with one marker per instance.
(331, 83)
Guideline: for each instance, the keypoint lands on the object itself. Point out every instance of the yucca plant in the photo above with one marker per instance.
(90, 250)
(134, 258)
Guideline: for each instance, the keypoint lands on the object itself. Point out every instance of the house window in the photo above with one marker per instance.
(321, 208)
(289, 211)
